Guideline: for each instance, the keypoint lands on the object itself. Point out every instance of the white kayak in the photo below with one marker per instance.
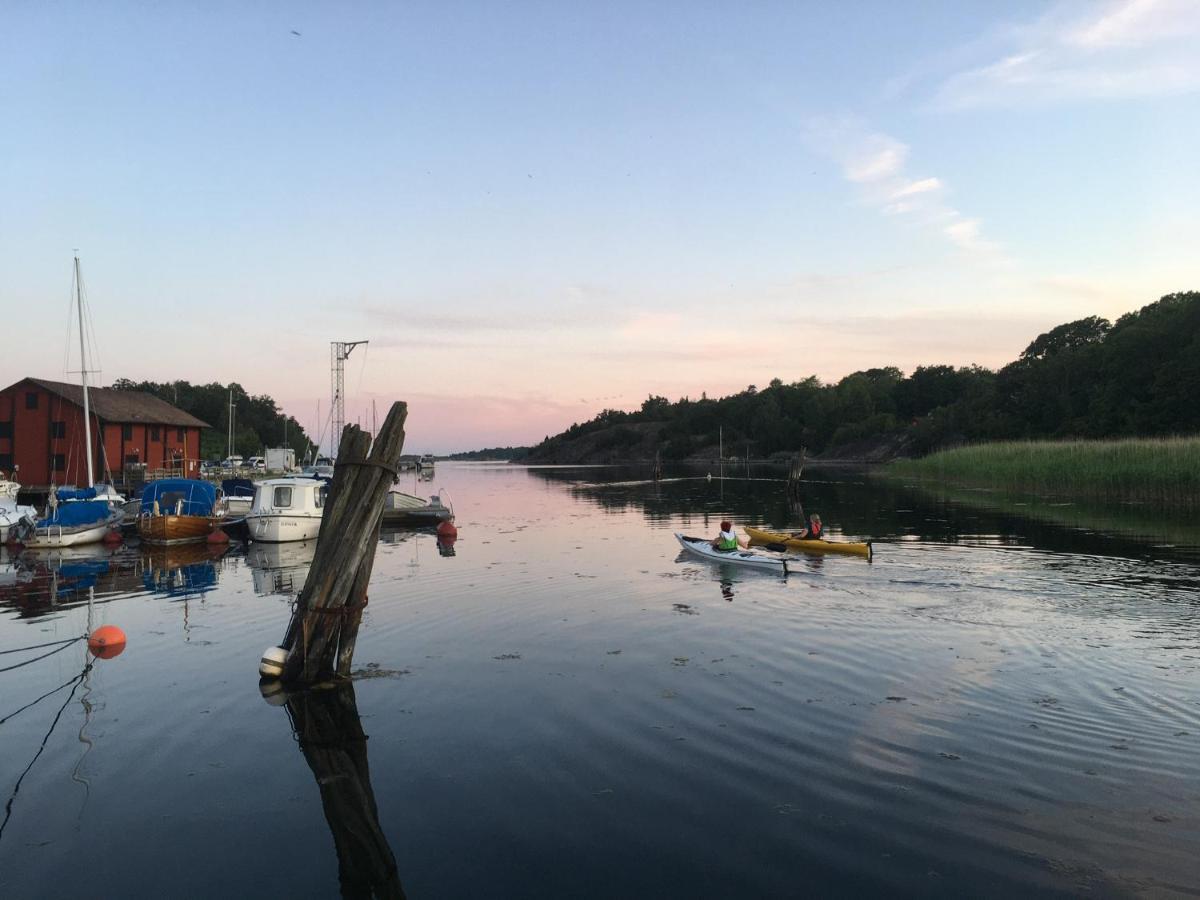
(703, 547)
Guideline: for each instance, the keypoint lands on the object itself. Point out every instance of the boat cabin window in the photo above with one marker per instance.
(320, 496)
(170, 499)
(283, 497)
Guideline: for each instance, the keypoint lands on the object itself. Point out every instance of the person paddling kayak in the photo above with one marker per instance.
(814, 531)
(727, 540)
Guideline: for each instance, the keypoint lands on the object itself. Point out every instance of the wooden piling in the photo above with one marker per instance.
(324, 626)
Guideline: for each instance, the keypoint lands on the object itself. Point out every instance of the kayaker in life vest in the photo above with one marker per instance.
(814, 531)
(727, 540)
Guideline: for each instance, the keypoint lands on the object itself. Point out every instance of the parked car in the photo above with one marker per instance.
(209, 466)
(231, 462)
(257, 463)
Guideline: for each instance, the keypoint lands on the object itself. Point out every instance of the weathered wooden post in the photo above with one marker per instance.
(330, 734)
(324, 626)
(658, 472)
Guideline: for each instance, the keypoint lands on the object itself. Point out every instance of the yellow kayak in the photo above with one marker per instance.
(854, 548)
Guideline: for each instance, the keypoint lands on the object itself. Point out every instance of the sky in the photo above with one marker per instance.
(535, 211)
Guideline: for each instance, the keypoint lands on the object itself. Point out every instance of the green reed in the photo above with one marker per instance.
(1153, 470)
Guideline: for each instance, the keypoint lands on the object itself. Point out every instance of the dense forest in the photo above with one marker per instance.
(1089, 378)
(505, 454)
(258, 422)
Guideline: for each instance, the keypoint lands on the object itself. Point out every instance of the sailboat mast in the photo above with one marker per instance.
(83, 371)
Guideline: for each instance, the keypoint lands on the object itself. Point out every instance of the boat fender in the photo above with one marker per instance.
(447, 530)
(217, 536)
(112, 536)
(271, 665)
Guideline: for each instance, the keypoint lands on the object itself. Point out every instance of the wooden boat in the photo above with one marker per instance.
(703, 547)
(854, 548)
(407, 509)
(179, 511)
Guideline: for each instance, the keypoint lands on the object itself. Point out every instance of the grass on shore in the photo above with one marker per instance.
(1163, 471)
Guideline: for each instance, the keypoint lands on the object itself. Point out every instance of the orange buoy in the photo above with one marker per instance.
(447, 530)
(217, 536)
(106, 642)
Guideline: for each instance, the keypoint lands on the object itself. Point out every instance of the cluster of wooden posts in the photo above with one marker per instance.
(324, 626)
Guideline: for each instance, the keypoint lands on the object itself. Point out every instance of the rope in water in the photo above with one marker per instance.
(32, 703)
(8, 807)
(44, 655)
(39, 646)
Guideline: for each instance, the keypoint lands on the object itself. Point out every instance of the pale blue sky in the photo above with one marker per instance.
(537, 210)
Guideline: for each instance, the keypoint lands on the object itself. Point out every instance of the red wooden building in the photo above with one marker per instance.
(42, 436)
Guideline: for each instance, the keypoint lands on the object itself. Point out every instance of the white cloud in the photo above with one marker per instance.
(1128, 48)
(878, 156)
(876, 162)
(923, 186)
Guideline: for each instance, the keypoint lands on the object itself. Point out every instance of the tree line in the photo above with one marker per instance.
(258, 421)
(1089, 378)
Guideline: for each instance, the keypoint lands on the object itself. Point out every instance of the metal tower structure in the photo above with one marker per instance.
(339, 352)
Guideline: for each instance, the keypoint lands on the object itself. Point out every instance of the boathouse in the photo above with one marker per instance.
(133, 433)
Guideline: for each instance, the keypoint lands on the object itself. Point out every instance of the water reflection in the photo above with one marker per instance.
(36, 583)
(187, 570)
(280, 568)
(326, 725)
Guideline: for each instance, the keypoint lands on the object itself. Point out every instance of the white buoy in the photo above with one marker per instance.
(272, 662)
(710, 476)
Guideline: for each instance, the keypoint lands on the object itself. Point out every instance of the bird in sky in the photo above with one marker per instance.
(296, 33)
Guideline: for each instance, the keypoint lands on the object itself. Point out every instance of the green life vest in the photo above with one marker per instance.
(727, 543)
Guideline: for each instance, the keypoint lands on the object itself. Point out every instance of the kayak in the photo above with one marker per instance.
(703, 547)
(855, 548)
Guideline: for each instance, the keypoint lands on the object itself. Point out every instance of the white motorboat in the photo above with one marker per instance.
(408, 509)
(286, 509)
(11, 512)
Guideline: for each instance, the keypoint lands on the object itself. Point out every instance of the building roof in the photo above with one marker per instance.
(116, 406)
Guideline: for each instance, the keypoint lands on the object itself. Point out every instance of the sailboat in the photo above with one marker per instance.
(74, 516)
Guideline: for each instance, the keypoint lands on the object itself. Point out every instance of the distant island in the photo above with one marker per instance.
(1088, 379)
(491, 454)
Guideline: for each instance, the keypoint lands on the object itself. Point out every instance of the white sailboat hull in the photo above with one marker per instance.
(57, 536)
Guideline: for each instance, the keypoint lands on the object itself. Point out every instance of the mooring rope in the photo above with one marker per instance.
(78, 679)
(43, 656)
(17, 712)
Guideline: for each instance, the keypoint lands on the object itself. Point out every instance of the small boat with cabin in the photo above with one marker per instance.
(287, 509)
(426, 462)
(179, 511)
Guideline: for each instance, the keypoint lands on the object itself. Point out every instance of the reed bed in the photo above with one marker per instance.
(1163, 471)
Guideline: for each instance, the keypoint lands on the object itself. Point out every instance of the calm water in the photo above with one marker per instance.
(567, 707)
